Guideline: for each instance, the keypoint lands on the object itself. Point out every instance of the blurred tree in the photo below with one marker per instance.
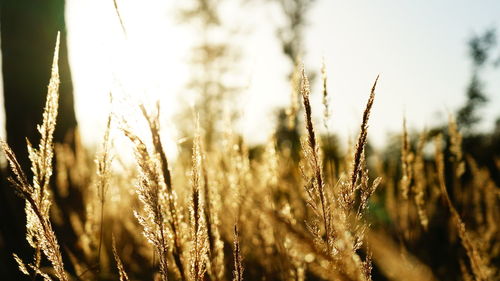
(287, 138)
(291, 34)
(480, 47)
(291, 38)
(28, 35)
(480, 145)
(212, 61)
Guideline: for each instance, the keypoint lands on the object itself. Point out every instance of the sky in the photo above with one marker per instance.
(419, 48)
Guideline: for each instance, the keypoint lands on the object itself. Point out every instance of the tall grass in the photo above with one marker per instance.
(238, 212)
(39, 232)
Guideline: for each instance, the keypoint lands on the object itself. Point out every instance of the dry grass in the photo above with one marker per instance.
(234, 213)
(39, 232)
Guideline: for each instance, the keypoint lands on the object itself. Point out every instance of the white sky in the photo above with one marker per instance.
(418, 47)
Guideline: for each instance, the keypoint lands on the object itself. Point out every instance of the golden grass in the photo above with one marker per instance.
(39, 232)
(281, 219)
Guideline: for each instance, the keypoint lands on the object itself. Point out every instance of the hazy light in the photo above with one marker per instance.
(422, 60)
(143, 65)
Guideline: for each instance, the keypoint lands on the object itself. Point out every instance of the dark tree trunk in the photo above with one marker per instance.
(28, 33)
(28, 30)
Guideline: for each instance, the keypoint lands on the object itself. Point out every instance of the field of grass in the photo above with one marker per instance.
(227, 211)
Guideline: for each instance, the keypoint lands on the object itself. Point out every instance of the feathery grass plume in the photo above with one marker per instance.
(420, 181)
(406, 162)
(326, 105)
(360, 146)
(119, 264)
(316, 186)
(215, 266)
(237, 257)
(405, 181)
(35, 268)
(21, 265)
(198, 253)
(479, 268)
(337, 240)
(339, 265)
(352, 225)
(154, 126)
(39, 231)
(41, 158)
(351, 229)
(103, 163)
(151, 192)
(456, 146)
(329, 165)
(366, 189)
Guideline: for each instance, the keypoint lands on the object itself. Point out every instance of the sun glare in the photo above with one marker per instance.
(143, 63)
(150, 61)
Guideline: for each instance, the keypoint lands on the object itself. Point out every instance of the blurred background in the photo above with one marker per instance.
(422, 52)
